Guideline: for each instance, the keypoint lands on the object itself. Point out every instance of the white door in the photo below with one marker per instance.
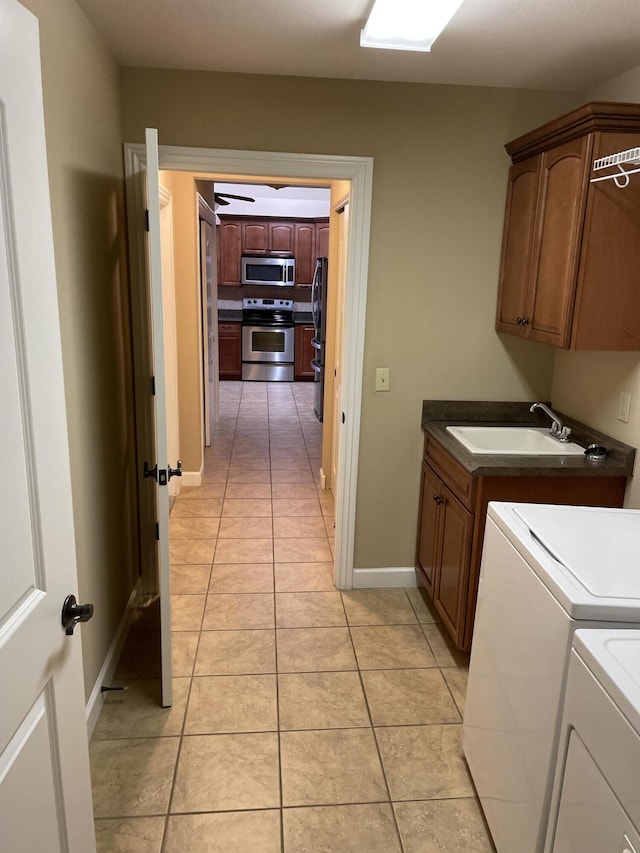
(343, 233)
(45, 791)
(208, 289)
(143, 190)
(161, 481)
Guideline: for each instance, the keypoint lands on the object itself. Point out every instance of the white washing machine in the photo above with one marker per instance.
(596, 795)
(546, 571)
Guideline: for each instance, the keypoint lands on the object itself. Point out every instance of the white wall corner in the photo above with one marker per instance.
(394, 576)
(192, 478)
(96, 699)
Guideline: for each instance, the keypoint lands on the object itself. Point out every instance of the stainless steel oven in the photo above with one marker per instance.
(268, 335)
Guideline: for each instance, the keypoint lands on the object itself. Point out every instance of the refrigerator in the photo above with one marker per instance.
(319, 311)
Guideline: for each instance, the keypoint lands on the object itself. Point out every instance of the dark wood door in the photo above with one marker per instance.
(229, 253)
(255, 237)
(430, 494)
(281, 236)
(561, 204)
(230, 350)
(304, 352)
(322, 239)
(305, 252)
(607, 315)
(453, 564)
(517, 245)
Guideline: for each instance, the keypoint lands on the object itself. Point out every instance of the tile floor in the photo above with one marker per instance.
(303, 719)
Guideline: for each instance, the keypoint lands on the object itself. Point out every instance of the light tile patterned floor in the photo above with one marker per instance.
(304, 719)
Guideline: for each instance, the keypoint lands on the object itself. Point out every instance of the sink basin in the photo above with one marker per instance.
(517, 441)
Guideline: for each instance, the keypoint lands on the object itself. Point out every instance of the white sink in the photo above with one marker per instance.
(518, 441)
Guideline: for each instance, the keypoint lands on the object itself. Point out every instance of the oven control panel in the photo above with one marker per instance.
(268, 304)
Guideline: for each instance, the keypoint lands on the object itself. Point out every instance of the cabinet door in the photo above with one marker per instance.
(255, 237)
(305, 247)
(281, 236)
(322, 239)
(229, 253)
(563, 187)
(304, 352)
(229, 350)
(607, 307)
(452, 563)
(430, 494)
(517, 245)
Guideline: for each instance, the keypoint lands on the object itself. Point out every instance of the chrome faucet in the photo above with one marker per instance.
(558, 429)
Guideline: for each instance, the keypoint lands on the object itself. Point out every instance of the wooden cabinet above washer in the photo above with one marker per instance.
(570, 266)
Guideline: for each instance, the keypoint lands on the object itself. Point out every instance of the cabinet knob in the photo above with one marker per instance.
(438, 499)
(522, 321)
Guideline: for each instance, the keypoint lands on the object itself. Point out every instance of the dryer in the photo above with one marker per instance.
(596, 797)
(546, 572)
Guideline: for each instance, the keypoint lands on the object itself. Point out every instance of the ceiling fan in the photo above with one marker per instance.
(221, 198)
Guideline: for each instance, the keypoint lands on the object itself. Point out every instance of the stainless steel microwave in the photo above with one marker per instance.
(268, 269)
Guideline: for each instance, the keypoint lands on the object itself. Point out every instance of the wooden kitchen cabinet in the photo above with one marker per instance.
(305, 239)
(570, 254)
(229, 234)
(267, 236)
(304, 352)
(453, 507)
(305, 252)
(322, 239)
(230, 350)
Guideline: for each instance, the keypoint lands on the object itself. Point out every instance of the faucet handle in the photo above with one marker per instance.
(565, 433)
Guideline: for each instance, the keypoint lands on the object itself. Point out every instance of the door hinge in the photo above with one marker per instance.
(146, 220)
(153, 386)
(158, 530)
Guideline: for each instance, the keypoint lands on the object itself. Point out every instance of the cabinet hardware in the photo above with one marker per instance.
(438, 499)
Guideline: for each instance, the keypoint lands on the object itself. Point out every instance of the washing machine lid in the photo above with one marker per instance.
(613, 656)
(588, 556)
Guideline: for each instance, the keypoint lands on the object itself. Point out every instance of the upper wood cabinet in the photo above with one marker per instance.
(229, 253)
(305, 252)
(306, 239)
(570, 265)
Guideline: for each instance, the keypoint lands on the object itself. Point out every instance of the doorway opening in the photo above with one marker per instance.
(357, 173)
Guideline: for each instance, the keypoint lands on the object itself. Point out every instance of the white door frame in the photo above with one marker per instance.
(359, 171)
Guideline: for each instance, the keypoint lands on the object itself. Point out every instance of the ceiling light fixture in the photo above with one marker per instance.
(407, 24)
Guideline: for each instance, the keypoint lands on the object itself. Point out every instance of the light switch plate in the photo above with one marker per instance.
(382, 378)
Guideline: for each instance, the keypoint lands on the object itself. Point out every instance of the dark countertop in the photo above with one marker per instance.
(438, 414)
(303, 317)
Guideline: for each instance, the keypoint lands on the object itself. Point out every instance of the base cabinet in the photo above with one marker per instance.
(453, 508)
(304, 352)
(230, 350)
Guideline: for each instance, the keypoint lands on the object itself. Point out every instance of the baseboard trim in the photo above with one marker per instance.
(384, 578)
(192, 478)
(94, 704)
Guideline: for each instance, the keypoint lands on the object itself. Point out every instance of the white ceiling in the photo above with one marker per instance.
(546, 44)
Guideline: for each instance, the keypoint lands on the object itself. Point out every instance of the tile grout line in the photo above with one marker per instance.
(373, 730)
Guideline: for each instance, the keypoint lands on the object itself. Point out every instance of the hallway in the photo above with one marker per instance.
(304, 719)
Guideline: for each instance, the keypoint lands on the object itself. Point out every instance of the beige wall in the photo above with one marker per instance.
(586, 385)
(438, 201)
(83, 127)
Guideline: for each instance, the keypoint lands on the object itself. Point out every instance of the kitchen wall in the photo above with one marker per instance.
(439, 187)
(587, 385)
(84, 136)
